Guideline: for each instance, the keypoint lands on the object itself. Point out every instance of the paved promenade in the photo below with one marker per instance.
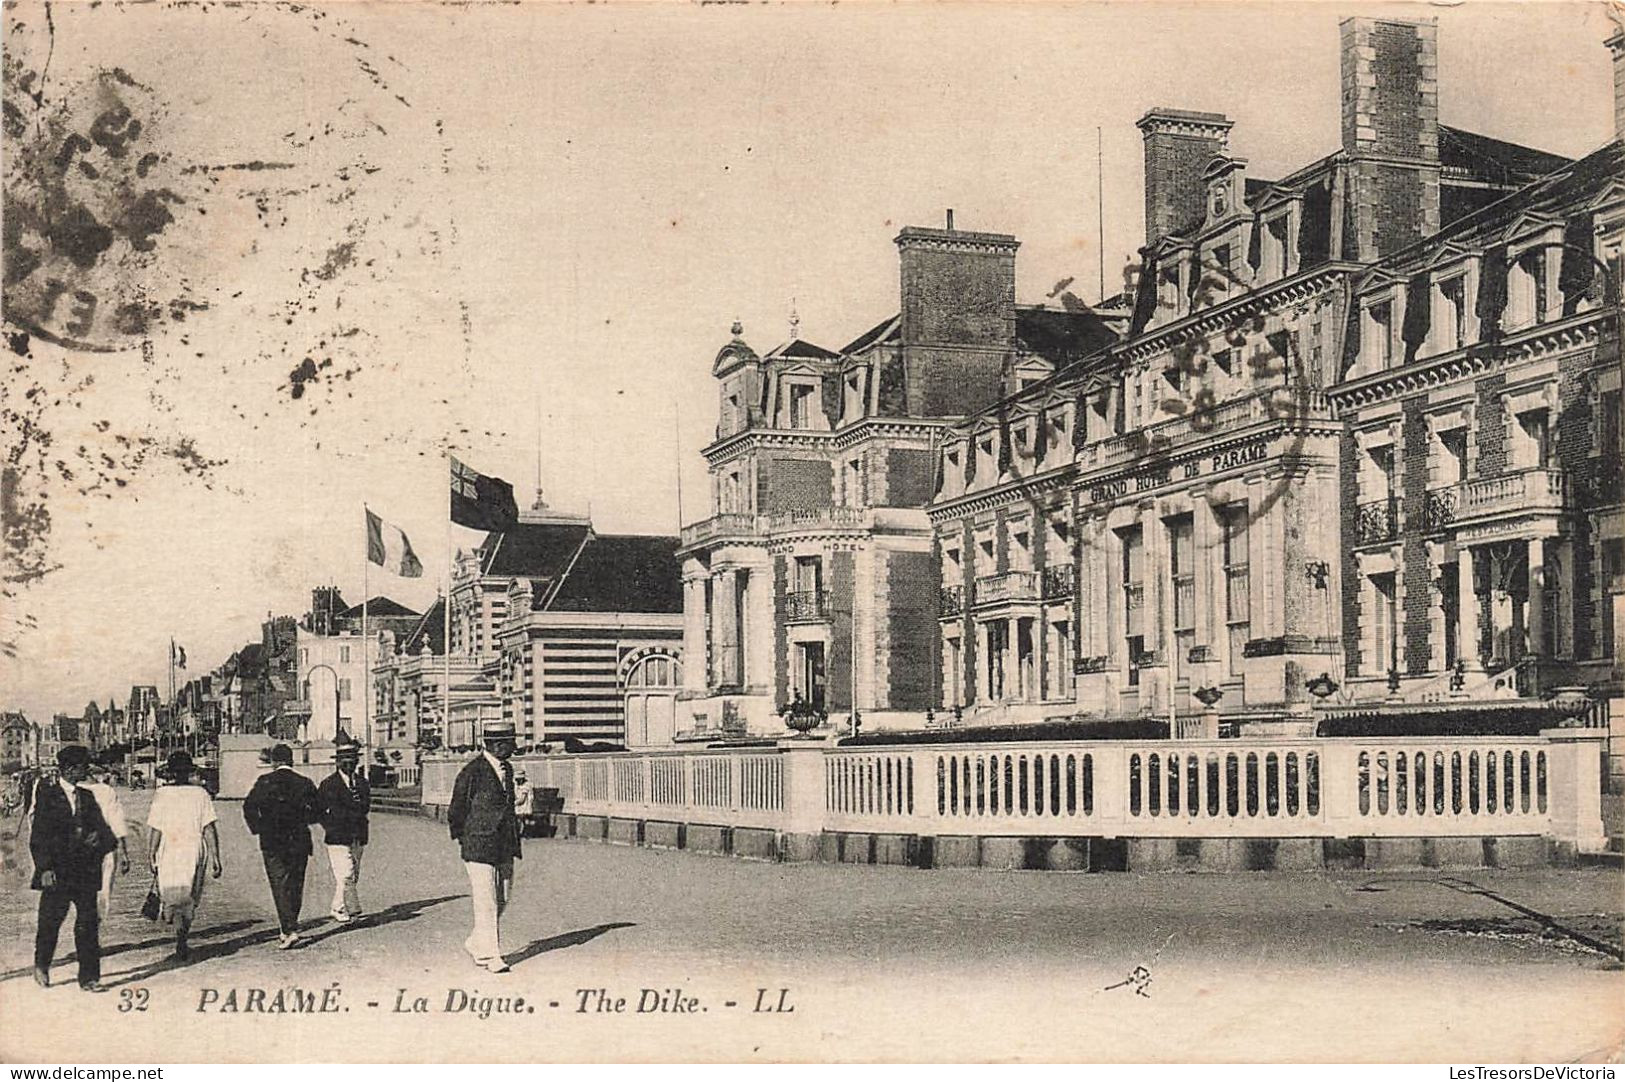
(872, 962)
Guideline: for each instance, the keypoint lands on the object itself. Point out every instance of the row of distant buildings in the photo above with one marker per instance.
(572, 634)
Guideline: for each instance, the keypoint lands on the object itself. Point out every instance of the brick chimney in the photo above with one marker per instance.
(1391, 131)
(1616, 45)
(1178, 146)
(958, 322)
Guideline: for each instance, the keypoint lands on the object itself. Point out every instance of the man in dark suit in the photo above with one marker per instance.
(280, 809)
(346, 800)
(483, 822)
(68, 841)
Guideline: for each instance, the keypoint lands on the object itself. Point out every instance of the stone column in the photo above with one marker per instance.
(1467, 635)
(1535, 617)
(725, 626)
(695, 677)
(984, 681)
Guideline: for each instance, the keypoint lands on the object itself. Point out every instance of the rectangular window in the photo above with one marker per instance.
(809, 574)
(344, 655)
(1531, 450)
(1021, 548)
(1237, 602)
(1384, 639)
(1061, 671)
(1182, 578)
(1452, 326)
(801, 402)
(344, 689)
(1453, 460)
(1608, 430)
(1133, 582)
(1379, 334)
(998, 644)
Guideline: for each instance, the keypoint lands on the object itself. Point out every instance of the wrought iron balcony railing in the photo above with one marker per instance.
(1440, 509)
(1058, 581)
(806, 605)
(1377, 521)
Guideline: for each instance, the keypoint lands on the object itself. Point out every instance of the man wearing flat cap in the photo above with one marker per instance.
(483, 822)
(280, 809)
(346, 801)
(69, 839)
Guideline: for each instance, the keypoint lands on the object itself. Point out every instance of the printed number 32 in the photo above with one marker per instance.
(132, 999)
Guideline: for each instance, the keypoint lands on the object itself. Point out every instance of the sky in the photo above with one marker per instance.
(520, 233)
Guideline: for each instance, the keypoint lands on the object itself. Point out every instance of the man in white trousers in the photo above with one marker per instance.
(483, 823)
(346, 802)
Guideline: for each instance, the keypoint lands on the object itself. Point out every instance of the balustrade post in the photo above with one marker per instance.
(1340, 789)
(805, 812)
(1111, 786)
(1574, 788)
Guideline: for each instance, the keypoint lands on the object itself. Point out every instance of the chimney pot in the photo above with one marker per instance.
(950, 219)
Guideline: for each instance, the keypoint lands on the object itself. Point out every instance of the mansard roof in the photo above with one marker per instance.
(1572, 191)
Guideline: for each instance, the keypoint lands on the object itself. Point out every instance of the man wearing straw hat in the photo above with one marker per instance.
(482, 820)
(346, 802)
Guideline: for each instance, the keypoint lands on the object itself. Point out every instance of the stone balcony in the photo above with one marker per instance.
(1010, 586)
(1513, 493)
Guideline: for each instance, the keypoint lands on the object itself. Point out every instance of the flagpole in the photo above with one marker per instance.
(445, 614)
(366, 664)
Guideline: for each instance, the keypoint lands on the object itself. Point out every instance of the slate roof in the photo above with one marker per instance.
(621, 573)
(531, 550)
(1062, 336)
(1560, 194)
(431, 629)
(883, 331)
(796, 348)
(1495, 160)
(379, 606)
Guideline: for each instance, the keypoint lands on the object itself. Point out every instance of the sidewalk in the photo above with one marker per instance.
(881, 962)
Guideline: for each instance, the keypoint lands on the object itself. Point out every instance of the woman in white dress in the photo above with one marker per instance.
(181, 842)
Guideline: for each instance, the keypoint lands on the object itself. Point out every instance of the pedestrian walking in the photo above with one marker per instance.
(346, 802)
(112, 809)
(482, 821)
(182, 840)
(280, 809)
(68, 841)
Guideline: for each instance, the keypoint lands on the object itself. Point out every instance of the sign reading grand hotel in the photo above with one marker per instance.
(1155, 477)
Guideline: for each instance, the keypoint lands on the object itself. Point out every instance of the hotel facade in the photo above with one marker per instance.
(1362, 438)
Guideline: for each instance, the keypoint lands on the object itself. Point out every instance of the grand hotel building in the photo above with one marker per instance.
(1365, 423)
(1353, 432)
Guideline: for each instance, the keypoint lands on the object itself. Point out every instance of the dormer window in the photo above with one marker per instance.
(801, 405)
(1378, 334)
(1526, 290)
(1450, 313)
(853, 406)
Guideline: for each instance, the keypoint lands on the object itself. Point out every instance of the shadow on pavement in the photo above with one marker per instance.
(568, 939)
(125, 948)
(212, 951)
(1544, 921)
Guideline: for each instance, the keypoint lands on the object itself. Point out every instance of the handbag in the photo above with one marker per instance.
(154, 905)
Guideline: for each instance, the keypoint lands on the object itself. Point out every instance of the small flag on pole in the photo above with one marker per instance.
(177, 655)
(480, 502)
(389, 548)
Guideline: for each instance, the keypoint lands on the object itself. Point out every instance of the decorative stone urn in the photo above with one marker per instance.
(1570, 703)
(801, 717)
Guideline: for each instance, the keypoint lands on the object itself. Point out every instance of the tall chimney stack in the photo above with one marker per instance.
(1178, 146)
(1391, 130)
